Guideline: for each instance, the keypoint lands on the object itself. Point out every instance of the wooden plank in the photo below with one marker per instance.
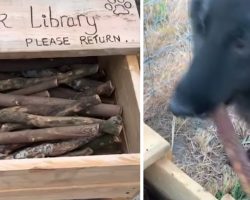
(124, 73)
(111, 175)
(127, 190)
(155, 147)
(31, 28)
(173, 183)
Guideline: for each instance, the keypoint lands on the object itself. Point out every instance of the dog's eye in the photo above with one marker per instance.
(239, 44)
(204, 25)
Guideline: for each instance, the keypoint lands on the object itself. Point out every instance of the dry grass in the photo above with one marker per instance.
(196, 147)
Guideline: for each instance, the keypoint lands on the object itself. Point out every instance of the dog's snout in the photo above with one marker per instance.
(179, 108)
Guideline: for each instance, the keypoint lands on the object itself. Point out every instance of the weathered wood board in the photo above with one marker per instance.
(52, 28)
(173, 183)
(155, 146)
(108, 176)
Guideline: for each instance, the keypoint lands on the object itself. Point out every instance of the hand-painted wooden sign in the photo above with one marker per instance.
(48, 28)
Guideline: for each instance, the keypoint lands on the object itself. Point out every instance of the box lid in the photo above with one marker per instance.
(66, 28)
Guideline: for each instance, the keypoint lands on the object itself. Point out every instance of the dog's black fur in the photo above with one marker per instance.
(220, 69)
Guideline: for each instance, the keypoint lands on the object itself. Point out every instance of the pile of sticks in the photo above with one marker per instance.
(63, 111)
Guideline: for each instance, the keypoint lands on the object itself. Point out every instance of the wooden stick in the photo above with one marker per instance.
(78, 106)
(112, 126)
(18, 83)
(37, 87)
(17, 65)
(50, 149)
(100, 75)
(9, 100)
(66, 93)
(57, 110)
(102, 110)
(100, 142)
(7, 149)
(107, 100)
(82, 152)
(76, 74)
(92, 146)
(4, 76)
(39, 73)
(114, 148)
(7, 127)
(233, 148)
(42, 94)
(90, 87)
(49, 134)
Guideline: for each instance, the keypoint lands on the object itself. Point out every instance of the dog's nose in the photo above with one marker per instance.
(179, 108)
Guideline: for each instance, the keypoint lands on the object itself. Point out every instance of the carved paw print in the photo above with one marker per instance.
(119, 7)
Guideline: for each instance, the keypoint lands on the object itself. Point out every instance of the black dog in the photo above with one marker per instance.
(220, 70)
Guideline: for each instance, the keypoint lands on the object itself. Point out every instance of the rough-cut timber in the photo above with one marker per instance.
(112, 126)
(92, 146)
(65, 93)
(58, 110)
(50, 149)
(39, 87)
(100, 142)
(102, 110)
(90, 87)
(82, 152)
(9, 100)
(49, 134)
(17, 65)
(100, 75)
(76, 107)
(18, 83)
(98, 28)
(7, 149)
(85, 70)
(107, 100)
(7, 127)
(39, 73)
(42, 94)
(4, 76)
(237, 155)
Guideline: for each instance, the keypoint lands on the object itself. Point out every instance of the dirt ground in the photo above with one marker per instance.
(196, 147)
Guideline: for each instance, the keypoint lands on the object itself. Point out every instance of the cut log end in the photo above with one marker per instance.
(112, 126)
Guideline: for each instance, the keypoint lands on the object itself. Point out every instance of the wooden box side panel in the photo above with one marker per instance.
(124, 72)
(117, 190)
(155, 146)
(77, 177)
(173, 183)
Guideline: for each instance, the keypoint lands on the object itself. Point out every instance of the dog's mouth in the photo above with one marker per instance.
(182, 109)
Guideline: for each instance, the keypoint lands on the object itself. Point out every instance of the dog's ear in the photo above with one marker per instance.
(198, 12)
